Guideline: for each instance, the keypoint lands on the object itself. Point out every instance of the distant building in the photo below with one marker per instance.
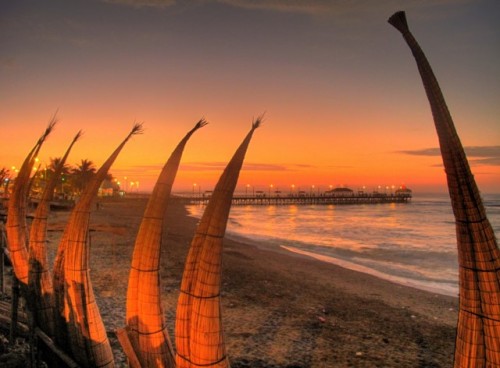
(403, 191)
(340, 192)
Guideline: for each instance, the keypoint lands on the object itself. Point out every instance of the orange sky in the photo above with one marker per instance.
(343, 100)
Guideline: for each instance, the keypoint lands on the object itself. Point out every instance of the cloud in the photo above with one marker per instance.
(299, 6)
(9, 63)
(422, 152)
(340, 167)
(144, 3)
(154, 169)
(292, 6)
(489, 161)
(478, 155)
(330, 7)
(311, 7)
(483, 151)
(264, 167)
(204, 166)
(136, 170)
(219, 166)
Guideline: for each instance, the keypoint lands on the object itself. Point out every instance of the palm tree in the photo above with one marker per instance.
(4, 173)
(51, 169)
(83, 174)
(54, 162)
(110, 182)
(4, 180)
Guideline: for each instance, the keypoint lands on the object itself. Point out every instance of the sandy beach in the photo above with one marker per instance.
(279, 309)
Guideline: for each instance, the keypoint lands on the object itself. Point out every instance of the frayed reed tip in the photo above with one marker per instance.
(48, 130)
(258, 121)
(137, 129)
(201, 123)
(78, 136)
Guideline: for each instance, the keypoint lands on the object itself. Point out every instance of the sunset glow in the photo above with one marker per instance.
(343, 102)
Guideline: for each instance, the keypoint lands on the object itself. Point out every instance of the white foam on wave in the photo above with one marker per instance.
(433, 287)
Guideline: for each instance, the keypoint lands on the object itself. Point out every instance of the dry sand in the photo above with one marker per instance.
(279, 309)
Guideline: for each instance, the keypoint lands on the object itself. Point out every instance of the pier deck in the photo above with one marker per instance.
(362, 198)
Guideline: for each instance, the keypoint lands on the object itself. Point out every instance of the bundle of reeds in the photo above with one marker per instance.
(146, 328)
(16, 226)
(85, 330)
(478, 330)
(198, 329)
(41, 297)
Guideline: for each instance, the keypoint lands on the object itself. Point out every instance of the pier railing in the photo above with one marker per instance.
(291, 199)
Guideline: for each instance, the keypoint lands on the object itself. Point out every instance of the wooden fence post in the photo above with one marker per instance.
(14, 309)
(2, 257)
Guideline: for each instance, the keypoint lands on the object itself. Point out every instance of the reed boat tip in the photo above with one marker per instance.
(138, 128)
(201, 123)
(257, 122)
(78, 135)
(398, 21)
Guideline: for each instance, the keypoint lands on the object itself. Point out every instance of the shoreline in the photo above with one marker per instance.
(423, 286)
(267, 242)
(279, 309)
(437, 289)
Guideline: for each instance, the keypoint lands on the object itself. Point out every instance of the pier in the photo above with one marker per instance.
(290, 199)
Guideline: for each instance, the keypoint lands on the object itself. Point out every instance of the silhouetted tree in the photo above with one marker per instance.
(65, 173)
(4, 180)
(82, 175)
(4, 174)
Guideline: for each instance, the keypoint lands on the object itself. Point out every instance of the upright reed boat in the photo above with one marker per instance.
(79, 319)
(41, 291)
(199, 334)
(478, 330)
(16, 226)
(146, 330)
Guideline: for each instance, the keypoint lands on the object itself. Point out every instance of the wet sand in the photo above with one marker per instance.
(279, 309)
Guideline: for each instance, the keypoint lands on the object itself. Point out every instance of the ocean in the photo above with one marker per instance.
(411, 243)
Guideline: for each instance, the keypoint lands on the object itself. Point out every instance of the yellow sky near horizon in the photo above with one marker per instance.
(343, 101)
(281, 158)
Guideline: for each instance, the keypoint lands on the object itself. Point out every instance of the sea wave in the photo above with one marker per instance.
(413, 244)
